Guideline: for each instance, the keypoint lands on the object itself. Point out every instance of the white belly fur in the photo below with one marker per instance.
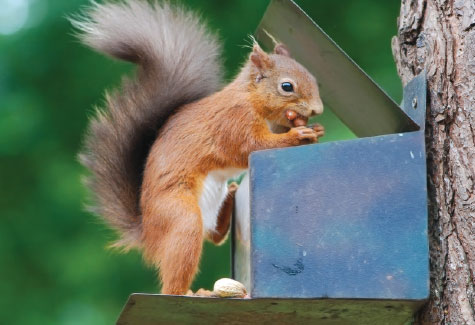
(213, 194)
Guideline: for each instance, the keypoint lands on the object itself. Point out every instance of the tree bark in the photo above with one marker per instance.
(439, 36)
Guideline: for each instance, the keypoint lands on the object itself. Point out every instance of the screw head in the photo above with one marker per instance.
(414, 102)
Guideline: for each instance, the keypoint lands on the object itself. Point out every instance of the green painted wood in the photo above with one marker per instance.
(147, 309)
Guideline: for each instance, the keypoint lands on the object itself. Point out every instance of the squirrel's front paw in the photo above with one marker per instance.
(304, 134)
(319, 129)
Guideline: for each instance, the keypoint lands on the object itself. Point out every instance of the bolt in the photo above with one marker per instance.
(414, 102)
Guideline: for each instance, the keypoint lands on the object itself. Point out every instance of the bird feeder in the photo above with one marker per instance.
(330, 233)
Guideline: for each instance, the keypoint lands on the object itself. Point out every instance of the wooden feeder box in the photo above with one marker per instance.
(330, 233)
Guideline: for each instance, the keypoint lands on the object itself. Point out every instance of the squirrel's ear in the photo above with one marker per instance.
(260, 58)
(281, 49)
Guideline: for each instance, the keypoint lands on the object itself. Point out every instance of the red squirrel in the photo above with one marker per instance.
(163, 150)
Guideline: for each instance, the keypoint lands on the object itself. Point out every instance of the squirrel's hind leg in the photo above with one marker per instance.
(173, 240)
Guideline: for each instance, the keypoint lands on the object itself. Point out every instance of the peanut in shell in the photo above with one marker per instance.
(229, 288)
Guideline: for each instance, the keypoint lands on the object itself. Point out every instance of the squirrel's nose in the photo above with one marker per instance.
(316, 107)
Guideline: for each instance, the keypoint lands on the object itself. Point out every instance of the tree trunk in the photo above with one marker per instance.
(439, 36)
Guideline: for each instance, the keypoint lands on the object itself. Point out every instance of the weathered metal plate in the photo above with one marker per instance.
(356, 99)
(346, 219)
(146, 309)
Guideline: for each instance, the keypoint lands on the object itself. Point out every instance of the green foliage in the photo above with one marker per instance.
(54, 265)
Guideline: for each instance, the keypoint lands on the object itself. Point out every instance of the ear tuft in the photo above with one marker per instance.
(281, 49)
(260, 58)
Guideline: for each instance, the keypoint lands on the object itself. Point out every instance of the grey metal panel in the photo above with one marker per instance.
(357, 100)
(346, 219)
(241, 240)
(146, 309)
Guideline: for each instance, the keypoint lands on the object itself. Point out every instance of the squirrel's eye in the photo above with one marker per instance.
(287, 86)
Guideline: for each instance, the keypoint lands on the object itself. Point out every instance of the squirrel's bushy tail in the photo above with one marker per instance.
(178, 62)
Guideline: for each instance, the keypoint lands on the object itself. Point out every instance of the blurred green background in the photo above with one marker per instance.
(54, 265)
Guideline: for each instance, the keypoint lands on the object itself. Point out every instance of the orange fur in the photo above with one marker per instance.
(216, 132)
(151, 188)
